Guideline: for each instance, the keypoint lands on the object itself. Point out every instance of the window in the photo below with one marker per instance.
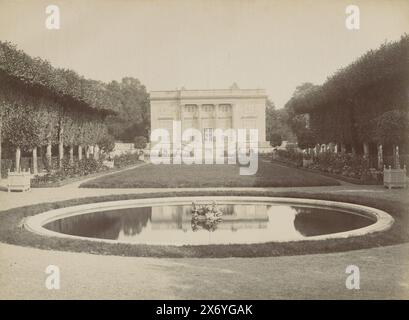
(225, 108)
(207, 108)
(190, 108)
(208, 134)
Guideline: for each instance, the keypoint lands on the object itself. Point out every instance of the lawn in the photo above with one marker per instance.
(196, 176)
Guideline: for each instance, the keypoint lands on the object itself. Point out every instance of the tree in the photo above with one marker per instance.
(341, 109)
(391, 127)
(276, 122)
(107, 143)
(133, 118)
(306, 139)
(41, 105)
(275, 140)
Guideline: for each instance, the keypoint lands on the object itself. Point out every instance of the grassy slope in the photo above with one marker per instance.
(179, 176)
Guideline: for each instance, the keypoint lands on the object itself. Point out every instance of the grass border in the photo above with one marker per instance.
(13, 232)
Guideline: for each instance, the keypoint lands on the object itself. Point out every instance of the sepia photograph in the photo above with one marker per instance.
(204, 151)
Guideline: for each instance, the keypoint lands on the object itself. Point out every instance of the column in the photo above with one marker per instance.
(216, 126)
(199, 115)
(261, 123)
(235, 118)
(216, 116)
(182, 114)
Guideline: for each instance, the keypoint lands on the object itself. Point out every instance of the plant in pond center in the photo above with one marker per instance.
(206, 216)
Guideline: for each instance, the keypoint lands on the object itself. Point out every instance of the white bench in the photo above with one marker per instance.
(394, 178)
(19, 181)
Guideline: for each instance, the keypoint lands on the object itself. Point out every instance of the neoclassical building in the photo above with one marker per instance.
(207, 110)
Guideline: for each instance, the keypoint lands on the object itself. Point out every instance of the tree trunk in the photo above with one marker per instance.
(35, 166)
(96, 152)
(87, 152)
(380, 157)
(396, 161)
(79, 153)
(49, 155)
(60, 146)
(71, 154)
(60, 153)
(366, 150)
(18, 157)
(1, 127)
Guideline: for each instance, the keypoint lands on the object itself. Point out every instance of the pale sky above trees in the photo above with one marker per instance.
(275, 45)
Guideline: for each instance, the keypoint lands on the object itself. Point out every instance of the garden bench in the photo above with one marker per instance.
(19, 181)
(394, 178)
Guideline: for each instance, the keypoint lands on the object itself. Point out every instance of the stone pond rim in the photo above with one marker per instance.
(35, 224)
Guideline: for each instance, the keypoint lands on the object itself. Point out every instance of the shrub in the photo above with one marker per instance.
(140, 142)
(291, 155)
(69, 170)
(275, 140)
(306, 156)
(126, 159)
(352, 166)
(6, 164)
(107, 143)
(306, 139)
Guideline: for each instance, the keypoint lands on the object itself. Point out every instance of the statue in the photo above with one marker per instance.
(205, 216)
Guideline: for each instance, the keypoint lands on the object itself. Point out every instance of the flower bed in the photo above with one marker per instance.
(68, 171)
(71, 172)
(347, 165)
(126, 159)
(336, 164)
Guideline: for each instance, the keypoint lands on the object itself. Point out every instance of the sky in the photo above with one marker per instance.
(209, 44)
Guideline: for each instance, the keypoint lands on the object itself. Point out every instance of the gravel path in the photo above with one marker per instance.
(384, 274)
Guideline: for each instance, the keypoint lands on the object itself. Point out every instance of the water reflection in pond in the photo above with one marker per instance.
(241, 223)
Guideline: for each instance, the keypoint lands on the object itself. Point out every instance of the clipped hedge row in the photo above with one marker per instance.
(63, 83)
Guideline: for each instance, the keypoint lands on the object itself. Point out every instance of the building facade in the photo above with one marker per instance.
(208, 110)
